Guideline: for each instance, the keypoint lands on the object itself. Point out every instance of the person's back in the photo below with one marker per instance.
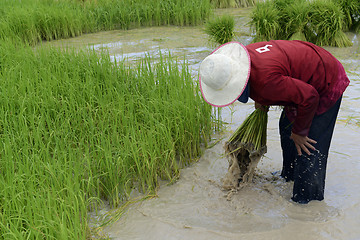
(300, 60)
(295, 74)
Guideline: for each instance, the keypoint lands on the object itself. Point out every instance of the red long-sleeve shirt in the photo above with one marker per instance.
(301, 76)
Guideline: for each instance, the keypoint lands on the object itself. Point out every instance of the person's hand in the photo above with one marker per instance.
(303, 142)
(262, 107)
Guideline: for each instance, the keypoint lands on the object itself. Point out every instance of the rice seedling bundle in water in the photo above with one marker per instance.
(292, 17)
(297, 18)
(326, 24)
(245, 148)
(351, 10)
(220, 29)
(265, 22)
(320, 21)
(271, 20)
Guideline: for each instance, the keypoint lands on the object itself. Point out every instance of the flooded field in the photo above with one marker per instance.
(195, 207)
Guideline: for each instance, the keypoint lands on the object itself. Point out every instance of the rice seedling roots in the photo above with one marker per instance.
(243, 159)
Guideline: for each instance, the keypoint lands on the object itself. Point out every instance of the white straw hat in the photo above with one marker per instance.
(224, 74)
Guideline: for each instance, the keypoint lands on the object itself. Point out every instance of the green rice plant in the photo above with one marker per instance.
(295, 17)
(265, 22)
(190, 12)
(252, 130)
(54, 24)
(18, 24)
(77, 129)
(351, 10)
(326, 24)
(125, 14)
(34, 21)
(220, 29)
(318, 21)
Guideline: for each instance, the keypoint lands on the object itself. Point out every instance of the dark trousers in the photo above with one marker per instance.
(308, 171)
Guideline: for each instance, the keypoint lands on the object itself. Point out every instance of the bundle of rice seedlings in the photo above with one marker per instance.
(265, 22)
(245, 148)
(289, 11)
(297, 16)
(326, 24)
(351, 10)
(220, 29)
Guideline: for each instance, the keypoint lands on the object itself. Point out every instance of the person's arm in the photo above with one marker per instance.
(287, 90)
(301, 142)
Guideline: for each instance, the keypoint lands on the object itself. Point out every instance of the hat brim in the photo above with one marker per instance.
(237, 84)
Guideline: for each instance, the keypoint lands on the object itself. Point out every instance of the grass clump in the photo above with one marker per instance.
(351, 10)
(326, 24)
(220, 29)
(297, 19)
(265, 21)
(320, 21)
(277, 19)
(78, 128)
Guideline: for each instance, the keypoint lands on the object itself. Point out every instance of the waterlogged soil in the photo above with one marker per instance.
(196, 207)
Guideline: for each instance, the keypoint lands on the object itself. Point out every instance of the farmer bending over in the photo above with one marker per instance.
(304, 78)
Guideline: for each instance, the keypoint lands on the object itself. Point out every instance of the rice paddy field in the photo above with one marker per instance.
(78, 128)
(100, 110)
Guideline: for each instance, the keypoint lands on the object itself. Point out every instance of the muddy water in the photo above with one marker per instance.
(196, 207)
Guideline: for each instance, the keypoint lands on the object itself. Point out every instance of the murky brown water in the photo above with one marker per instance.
(196, 208)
